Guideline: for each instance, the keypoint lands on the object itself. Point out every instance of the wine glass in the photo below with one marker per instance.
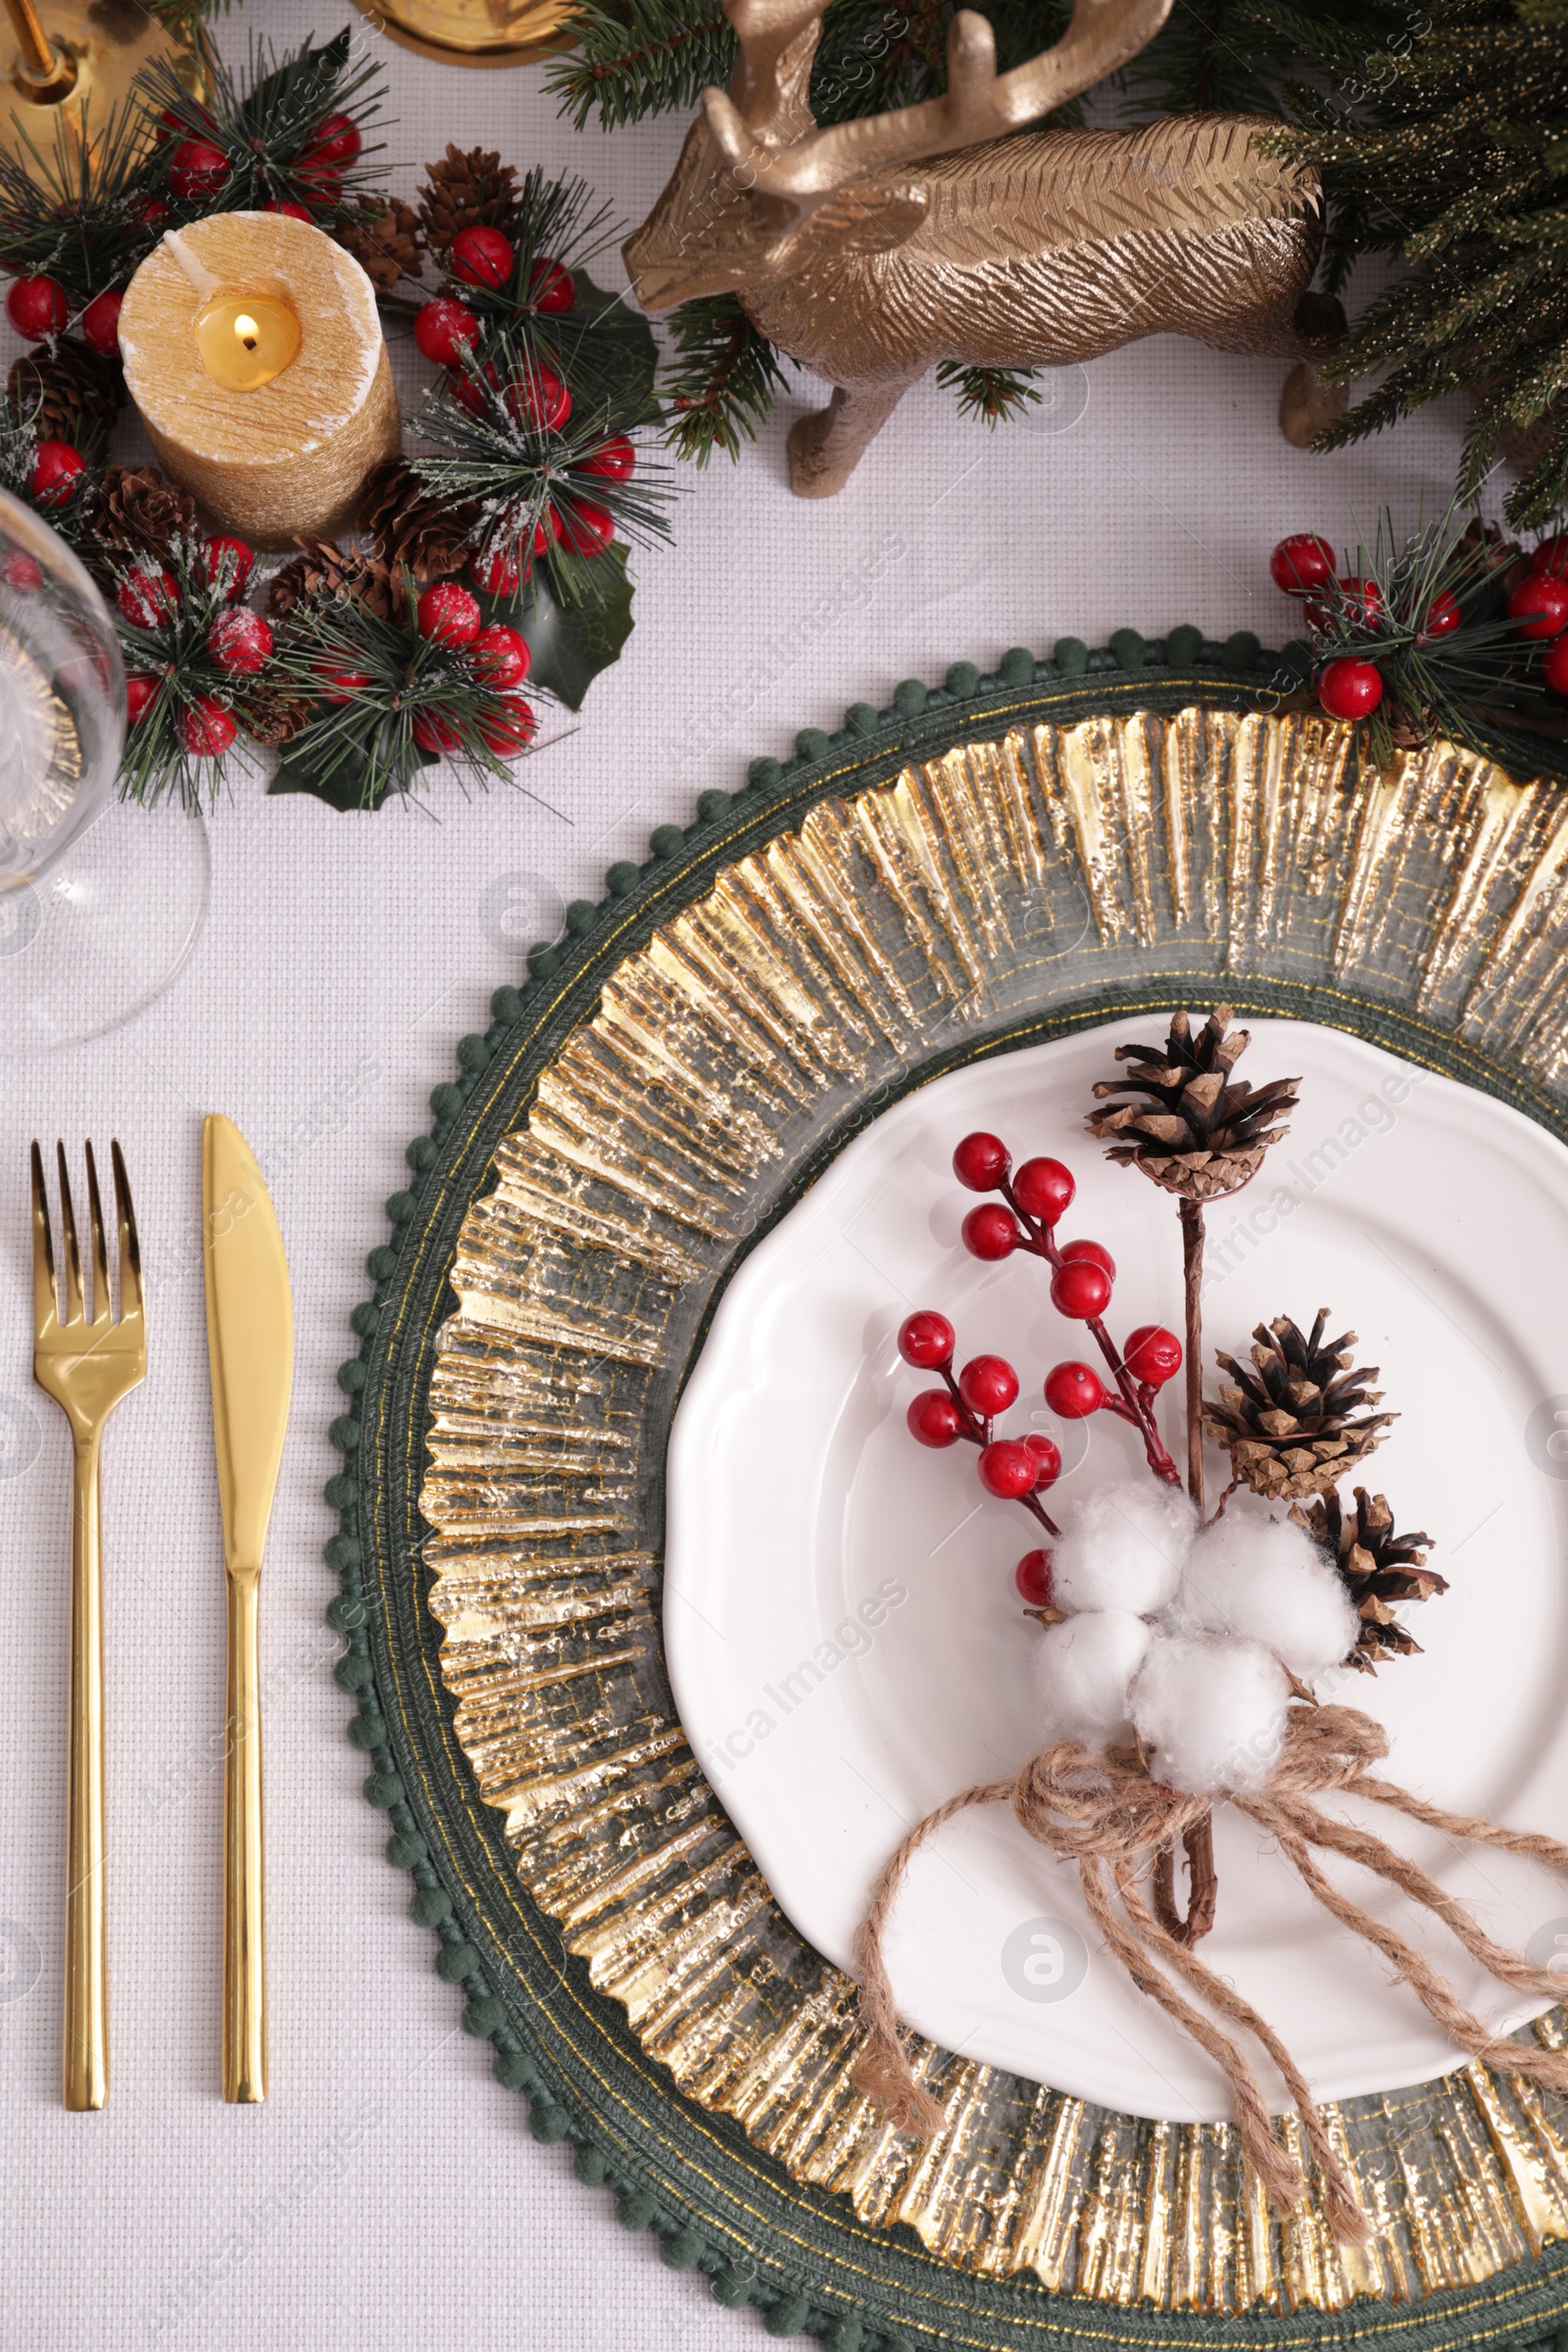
(100, 904)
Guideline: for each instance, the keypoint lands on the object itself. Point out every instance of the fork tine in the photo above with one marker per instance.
(100, 1260)
(130, 1302)
(45, 1295)
(68, 1237)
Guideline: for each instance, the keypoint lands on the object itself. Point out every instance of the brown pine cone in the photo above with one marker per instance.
(385, 241)
(324, 569)
(276, 716)
(466, 191)
(1378, 1568)
(1298, 1417)
(404, 524)
(1186, 1122)
(74, 394)
(137, 512)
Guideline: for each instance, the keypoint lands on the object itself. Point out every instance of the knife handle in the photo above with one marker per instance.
(244, 1892)
(85, 2069)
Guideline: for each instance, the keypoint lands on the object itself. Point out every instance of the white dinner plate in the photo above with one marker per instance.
(845, 1644)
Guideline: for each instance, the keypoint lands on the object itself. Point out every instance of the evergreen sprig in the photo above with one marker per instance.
(265, 125)
(360, 749)
(993, 395)
(77, 216)
(18, 455)
(533, 502)
(722, 381)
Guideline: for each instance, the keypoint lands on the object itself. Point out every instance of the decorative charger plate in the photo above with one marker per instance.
(981, 868)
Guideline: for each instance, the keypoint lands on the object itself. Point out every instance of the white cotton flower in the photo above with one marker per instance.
(1122, 1546)
(1085, 1665)
(1265, 1580)
(1211, 1713)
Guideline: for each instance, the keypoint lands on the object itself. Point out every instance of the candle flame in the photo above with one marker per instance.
(247, 330)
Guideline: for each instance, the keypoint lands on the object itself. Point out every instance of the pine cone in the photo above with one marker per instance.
(1289, 1424)
(466, 191)
(324, 569)
(1378, 1567)
(404, 524)
(1190, 1129)
(275, 716)
(137, 512)
(76, 395)
(385, 241)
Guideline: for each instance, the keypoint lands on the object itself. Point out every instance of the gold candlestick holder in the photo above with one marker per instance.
(64, 61)
(474, 33)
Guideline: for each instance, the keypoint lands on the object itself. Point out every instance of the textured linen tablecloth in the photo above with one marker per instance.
(388, 2193)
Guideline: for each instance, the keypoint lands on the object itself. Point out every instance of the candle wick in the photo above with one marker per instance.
(201, 277)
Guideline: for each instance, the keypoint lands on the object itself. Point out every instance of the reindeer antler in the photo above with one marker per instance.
(980, 103)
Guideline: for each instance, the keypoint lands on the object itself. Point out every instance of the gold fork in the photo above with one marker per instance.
(86, 1364)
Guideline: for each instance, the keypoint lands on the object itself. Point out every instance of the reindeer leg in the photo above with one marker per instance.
(1307, 404)
(825, 449)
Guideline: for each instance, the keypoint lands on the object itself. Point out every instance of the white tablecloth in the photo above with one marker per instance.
(389, 2193)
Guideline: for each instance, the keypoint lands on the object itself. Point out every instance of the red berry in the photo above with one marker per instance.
(197, 168)
(1301, 563)
(537, 397)
(206, 728)
(1554, 666)
(1442, 616)
(587, 529)
(289, 210)
(990, 1231)
(1032, 1576)
(227, 563)
(100, 324)
(553, 288)
(467, 388)
(140, 696)
(497, 573)
(447, 615)
(22, 573)
(152, 214)
(145, 598)
(1153, 1354)
(547, 532)
(445, 328)
(1093, 1253)
(981, 1162)
(499, 656)
(1044, 1188)
(1539, 605)
(1074, 1391)
(36, 308)
(617, 461)
(1048, 1461)
(510, 729)
(434, 731)
(1007, 1468)
(336, 141)
(1552, 557)
(988, 1384)
(1361, 605)
(340, 686)
(926, 1339)
(934, 1418)
(240, 641)
(480, 257)
(1350, 688)
(1080, 1288)
(56, 467)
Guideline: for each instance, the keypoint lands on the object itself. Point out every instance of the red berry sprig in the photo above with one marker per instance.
(965, 1408)
(1083, 1272)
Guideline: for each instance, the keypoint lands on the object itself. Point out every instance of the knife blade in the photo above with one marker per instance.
(250, 1351)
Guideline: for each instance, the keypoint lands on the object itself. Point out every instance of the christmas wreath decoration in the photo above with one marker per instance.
(518, 501)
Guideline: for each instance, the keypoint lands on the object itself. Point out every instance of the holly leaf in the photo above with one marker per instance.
(344, 774)
(569, 644)
(605, 353)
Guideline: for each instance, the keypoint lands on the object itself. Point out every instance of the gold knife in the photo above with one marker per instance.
(250, 1349)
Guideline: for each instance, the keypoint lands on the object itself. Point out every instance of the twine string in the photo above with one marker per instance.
(1104, 1812)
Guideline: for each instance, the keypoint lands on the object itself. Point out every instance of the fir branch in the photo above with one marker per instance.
(78, 216)
(640, 57)
(993, 395)
(723, 380)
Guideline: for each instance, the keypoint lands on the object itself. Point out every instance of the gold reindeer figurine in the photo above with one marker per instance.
(1036, 251)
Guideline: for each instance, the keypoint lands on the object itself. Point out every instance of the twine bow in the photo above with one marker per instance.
(1104, 1811)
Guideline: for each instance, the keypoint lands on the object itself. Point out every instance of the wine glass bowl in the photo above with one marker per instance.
(62, 698)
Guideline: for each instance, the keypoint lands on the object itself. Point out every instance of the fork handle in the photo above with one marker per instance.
(244, 1889)
(85, 2069)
